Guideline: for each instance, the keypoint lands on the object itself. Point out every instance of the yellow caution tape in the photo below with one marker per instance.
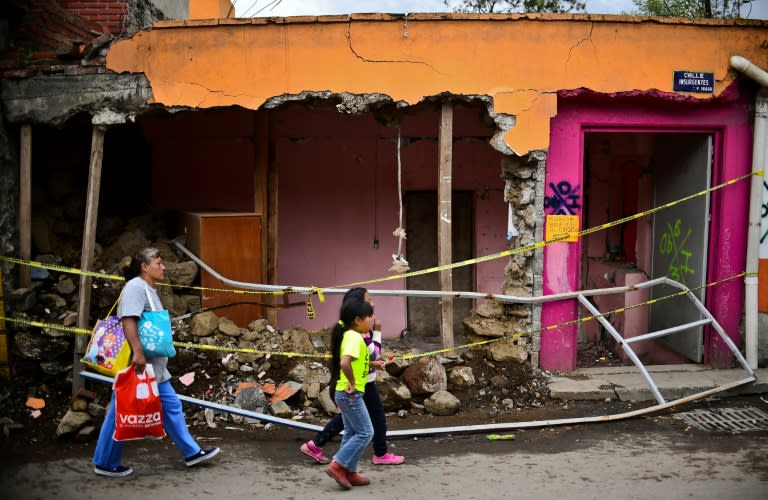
(558, 238)
(407, 356)
(506, 253)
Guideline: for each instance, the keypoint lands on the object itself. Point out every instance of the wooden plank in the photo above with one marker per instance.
(271, 220)
(25, 204)
(261, 202)
(89, 246)
(444, 247)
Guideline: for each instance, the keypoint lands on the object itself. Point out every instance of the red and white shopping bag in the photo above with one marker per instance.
(138, 410)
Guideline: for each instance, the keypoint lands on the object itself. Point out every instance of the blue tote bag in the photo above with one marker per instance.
(155, 332)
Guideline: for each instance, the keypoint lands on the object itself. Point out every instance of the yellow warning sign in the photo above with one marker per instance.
(563, 226)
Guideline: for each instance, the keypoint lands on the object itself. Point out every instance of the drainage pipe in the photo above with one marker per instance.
(759, 156)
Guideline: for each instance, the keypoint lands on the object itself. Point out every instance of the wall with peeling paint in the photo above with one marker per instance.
(520, 61)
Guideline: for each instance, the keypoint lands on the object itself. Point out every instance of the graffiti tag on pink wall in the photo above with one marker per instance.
(564, 199)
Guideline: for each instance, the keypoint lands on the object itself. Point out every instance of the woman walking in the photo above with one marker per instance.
(144, 272)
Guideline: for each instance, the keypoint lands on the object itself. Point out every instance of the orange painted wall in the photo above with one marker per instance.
(520, 61)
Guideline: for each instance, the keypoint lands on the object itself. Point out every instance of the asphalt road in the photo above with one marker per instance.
(653, 457)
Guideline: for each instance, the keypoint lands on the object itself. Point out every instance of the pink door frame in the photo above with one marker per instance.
(727, 118)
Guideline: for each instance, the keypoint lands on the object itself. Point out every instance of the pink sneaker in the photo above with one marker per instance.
(388, 458)
(314, 452)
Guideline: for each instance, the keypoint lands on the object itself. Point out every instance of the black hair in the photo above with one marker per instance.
(143, 256)
(350, 311)
(354, 294)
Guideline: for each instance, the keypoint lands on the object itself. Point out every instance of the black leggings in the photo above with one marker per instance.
(378, 419)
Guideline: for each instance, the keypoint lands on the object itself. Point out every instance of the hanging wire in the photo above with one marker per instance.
(399, 264)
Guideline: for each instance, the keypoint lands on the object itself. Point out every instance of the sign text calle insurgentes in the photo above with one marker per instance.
(694, 81)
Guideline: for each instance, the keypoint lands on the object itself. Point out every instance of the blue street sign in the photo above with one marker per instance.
(694, 81)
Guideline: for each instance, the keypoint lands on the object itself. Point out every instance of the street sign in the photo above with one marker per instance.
(694, 81)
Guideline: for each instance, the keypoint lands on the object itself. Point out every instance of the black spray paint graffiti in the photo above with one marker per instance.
(564, 201)
(672, 244)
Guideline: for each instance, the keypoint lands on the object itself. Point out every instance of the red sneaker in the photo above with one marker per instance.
(339, 473)
(356, 479)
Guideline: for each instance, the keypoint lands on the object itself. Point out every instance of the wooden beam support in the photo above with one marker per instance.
(25, 204)
(89, 245)
(271, 219)
(444, 246)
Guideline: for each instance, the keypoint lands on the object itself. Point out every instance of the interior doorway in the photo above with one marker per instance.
(421, 221)
(628, 173)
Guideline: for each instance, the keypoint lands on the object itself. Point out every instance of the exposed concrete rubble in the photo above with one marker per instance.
(58, 97)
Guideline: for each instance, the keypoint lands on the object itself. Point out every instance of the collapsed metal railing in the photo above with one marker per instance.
(581, 296)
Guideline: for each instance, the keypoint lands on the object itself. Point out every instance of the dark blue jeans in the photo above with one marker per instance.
(378, 419)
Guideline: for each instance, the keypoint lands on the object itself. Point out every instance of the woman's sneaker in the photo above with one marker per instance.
(314, 452)
(119, 471)
(201, 456)
(388, 458)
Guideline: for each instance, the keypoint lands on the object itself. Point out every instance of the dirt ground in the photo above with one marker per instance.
(37, 441)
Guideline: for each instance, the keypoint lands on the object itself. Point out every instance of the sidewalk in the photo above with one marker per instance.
(626, 383)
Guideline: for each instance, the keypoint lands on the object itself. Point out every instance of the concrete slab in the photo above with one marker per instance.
(673, 381)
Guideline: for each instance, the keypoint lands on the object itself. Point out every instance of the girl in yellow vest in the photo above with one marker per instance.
(350, 363)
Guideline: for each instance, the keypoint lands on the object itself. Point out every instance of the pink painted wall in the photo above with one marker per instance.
(337, 191)
(728, 119)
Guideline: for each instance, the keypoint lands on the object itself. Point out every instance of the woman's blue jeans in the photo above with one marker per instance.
(358, 430)
(108, 450)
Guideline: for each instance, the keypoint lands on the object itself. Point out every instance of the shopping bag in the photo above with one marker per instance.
(138, 410)
(155, 333)
(107, 352)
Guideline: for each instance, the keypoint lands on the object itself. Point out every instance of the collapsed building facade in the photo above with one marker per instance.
(287, 150)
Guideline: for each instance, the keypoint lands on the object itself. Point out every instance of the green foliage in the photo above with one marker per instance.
(505, 6)
(692, 9)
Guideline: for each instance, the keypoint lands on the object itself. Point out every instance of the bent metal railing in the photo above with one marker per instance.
(626, 343)
(581, 296)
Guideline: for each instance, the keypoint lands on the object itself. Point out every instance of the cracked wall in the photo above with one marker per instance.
(518, 61)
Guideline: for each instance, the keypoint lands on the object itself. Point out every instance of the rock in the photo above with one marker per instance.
(72, 422)
(40, 348)
(232, 365)
(490, 309)
(52, 300)
(181, 273)
(500, 382)
(281, 409)
(55, 367)
(251, 399)
(397, 366)
(425, 377)
(96, 410)
(66, 286)
(307, 372)
(327, 403)
(193, 302)
(80, 404)
(86, 434)
(204, 324)
(258, 325)
(461, 376)
(229, 328)
(442, 403)
(507, 350)
(394, 394)
(313, 390)
(488, 327)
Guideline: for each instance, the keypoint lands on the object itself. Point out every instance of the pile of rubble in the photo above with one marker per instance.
(244, 367)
